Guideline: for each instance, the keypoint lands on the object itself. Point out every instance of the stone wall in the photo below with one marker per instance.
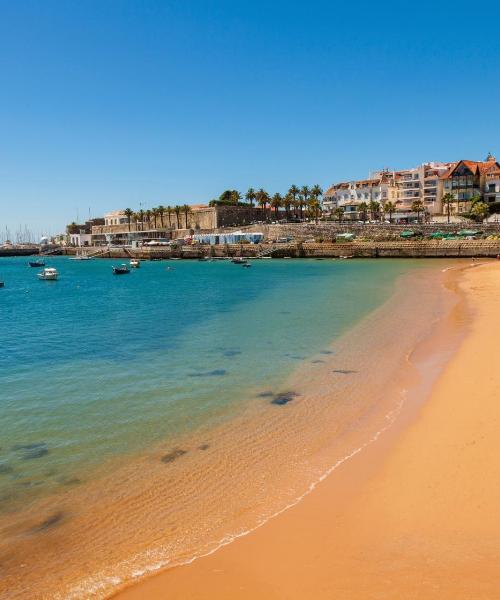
(328, 230)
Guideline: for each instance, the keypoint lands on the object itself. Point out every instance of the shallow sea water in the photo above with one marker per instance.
(147, 399)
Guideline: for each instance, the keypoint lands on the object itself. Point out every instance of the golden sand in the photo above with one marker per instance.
(414, 516)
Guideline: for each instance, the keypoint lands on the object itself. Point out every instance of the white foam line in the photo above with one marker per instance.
(95, 586)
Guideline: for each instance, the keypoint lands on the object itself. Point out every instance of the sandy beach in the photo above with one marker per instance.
(416, 515)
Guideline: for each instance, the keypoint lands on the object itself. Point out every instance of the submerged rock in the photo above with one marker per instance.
(204, 447)
(35, 453)
(326, 352)
(173, 455)
(230, 353)
(344, 371)
(315, 362)
(30, 451)
(48, 523)
(32, 446)
(284, 398)
(5, 469)
(266, 394)
(214, 373)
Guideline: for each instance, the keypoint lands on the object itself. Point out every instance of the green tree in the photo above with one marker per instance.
(276, 203)
(417, 207)
(177, 211)
(161, 214)
(128, 212)
(390, 209)
(287, 203)
(169, 211)
(305, 192)
(479, 210)
(317, 191)
(186, 209)
(448, 200)
(250, 196)
(363, 211)
(314, 208)
(262, 200)
(140, 214)
(374, 208)
(339, 213)
(235, 197)
(294, 192)
(154, 212)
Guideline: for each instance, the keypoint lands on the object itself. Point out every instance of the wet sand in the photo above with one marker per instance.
(414, 515)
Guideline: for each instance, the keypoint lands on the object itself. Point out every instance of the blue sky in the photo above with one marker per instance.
(107, 104)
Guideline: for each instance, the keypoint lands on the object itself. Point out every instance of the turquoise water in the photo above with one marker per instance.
(96, 366)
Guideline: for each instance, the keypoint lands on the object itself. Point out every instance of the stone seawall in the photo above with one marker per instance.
(329, 229)
(356, 249)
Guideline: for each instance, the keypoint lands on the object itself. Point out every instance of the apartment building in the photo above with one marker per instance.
(402, 188)
(467, 179)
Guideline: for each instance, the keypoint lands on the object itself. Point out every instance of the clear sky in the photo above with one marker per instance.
(106, 104)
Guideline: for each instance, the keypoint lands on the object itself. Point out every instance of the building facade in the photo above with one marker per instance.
(468, 179)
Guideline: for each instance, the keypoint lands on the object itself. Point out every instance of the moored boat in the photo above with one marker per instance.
(48, 274)
(121, 270)
(81, 256)
(135, 263)
(36, 263)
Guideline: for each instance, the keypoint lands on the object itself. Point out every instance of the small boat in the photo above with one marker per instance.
(36, 263)
(121, 270)
(48, 274)
(81, 256)
(135, 263)
(246, 265)
(239, 261)
(2, 284)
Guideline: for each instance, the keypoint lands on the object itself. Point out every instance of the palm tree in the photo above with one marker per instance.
(339, 213)
(417, 207)
(305, 192)
(148, 217)
(186, 210)
(141, 218)
(276, 203)
(169, 210)
(294, 191)
(316, 191)
(315, 208)
(177, 211)
(374, 208)
(287, 202)
(262, 199)
(154, 212)
(128, 212)
(161, 214)
(250, 196)
(235, 197)
(448, 200)
(390, 207)
(363, 211)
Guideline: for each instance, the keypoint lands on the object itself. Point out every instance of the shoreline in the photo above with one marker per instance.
(239, 570)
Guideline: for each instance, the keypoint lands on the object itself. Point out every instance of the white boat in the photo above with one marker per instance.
(49, 274)
(81, 256)
(135, 263)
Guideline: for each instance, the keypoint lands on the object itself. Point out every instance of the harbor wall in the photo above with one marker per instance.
(359, 249)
